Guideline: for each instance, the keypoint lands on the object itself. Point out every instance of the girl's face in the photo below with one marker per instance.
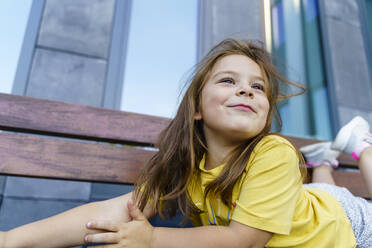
(234, 104)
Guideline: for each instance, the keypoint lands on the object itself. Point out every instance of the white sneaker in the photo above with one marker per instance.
(320, 154)
(353, 137)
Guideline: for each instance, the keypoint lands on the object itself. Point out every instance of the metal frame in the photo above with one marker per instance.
(118, 53)
(335, 120)
(28, 48)
(200, 29)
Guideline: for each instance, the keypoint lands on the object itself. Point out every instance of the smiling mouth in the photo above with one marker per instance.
(243, 107)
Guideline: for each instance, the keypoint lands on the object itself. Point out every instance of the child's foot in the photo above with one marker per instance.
(353, 138)
(320, 154)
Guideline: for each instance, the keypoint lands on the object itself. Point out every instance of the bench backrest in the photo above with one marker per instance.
(50, 139)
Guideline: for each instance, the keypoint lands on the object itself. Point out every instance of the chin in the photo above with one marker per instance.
(244, 135)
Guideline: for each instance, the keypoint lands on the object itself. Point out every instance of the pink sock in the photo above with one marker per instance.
(359, 149)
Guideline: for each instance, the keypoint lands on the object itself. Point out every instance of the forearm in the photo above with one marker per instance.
(203, 237)
(63, 230)
(68, 228)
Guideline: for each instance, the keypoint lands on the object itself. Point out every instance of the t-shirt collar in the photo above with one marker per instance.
(213, 172)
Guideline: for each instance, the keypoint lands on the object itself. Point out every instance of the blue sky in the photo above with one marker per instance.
(161, 50)
(13, 19)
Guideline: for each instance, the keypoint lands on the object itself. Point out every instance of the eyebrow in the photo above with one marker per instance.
(234, 73)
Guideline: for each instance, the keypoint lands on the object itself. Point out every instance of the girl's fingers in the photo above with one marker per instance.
(104, 225)
(110, 238)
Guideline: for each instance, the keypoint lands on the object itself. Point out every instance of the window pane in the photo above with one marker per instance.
(315, 76)
(161, 49)
(296, 42)
(13, 21)
(368, 4)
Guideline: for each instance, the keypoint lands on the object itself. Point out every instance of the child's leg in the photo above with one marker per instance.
(365, 166)
(322, 159)
(354, 139)
(323, 174)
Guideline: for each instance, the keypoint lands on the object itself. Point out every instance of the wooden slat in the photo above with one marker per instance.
(20, 113)
(55, 158)
(25, 155)
(353, 181)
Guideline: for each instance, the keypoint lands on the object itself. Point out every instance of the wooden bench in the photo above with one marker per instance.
(50, 139)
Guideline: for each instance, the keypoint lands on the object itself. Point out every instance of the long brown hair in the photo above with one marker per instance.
(165, 178)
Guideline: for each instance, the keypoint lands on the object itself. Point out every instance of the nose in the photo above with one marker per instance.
(245, 92)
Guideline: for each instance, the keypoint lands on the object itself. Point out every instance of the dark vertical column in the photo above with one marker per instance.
(350, 89)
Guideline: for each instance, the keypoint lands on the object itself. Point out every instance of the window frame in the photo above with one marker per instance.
(28, 48)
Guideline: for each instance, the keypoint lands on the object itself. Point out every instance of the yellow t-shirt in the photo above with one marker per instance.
(269, 196)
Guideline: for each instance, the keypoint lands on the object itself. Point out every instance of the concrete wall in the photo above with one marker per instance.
(220, 19)
(346, 61)
(72, 51)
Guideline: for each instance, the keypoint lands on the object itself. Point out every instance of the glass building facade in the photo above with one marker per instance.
(296, 44)
(162, 44)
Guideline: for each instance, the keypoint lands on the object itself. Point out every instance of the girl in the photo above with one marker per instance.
(219, 166)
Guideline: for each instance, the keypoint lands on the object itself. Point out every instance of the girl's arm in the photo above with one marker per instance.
(140, 233)
(68, 228)
(234, 235)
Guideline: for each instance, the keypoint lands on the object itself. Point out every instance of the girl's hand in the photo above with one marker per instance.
(135, 234)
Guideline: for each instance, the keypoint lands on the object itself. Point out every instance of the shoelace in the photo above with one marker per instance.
(368, 138)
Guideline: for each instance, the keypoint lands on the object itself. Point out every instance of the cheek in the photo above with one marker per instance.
(265, 107)
(211, 103)
(265, 115)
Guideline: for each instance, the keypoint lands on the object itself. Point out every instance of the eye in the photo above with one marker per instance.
(227, 81)
(258, 86)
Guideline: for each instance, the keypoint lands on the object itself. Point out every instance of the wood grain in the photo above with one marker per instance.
(353, 181)
(27, 114)
(55, 158)
(51, 157)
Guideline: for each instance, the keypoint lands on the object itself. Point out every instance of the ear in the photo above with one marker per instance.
(197, 116)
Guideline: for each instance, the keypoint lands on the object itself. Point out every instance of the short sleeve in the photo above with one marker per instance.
(270, 188)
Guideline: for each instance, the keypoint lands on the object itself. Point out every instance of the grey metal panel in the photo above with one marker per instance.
(103, 191)
(15, 212)
(117, 56)
(219, 19)
(67, 77)
(2, 185)
(349, 113)
(345, 11)
(47, 188)
(335, 124)
(79, 26)
(346, 62)
(28, 46)
(350, 66)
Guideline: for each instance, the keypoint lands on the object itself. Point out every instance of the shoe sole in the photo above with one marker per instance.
(344, 134)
